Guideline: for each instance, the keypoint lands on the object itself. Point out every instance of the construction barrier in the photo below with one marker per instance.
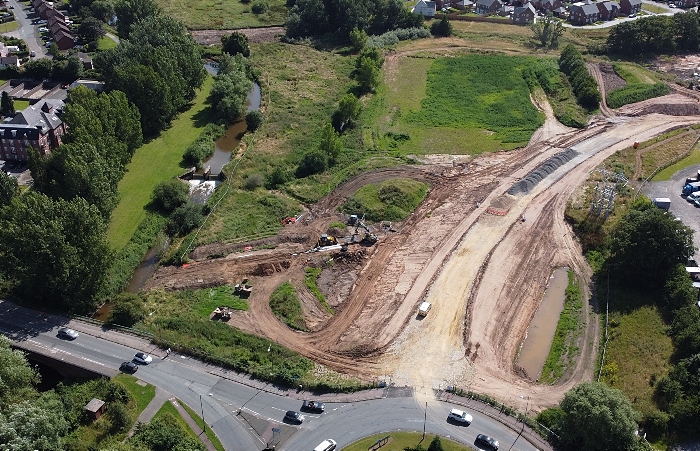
(496, 211)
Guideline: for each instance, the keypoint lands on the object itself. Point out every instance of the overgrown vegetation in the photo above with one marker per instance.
(633, 93)
(390, 200)
(285, 304)
(582, 82)
(203, 147)
(312, 274)
(563, 351)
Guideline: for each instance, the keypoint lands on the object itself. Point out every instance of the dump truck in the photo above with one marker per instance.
(663, 203)
(691, 188)
(424, 308)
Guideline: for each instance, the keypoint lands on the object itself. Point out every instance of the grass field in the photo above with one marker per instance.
(400, 440)
(210, 434)
(310, 278)
(470, 104)
(654, 8)
(197, 303)
(285, 304)
(142, 394)
(391, 200)
(223, 15)
(692, 159)
(152, 163)
(106, 43)
(9, 26)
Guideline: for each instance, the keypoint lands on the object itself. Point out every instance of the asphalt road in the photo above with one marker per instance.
(221, 399)
(27, 31)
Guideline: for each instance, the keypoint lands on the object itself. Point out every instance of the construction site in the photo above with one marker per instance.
(480, 248)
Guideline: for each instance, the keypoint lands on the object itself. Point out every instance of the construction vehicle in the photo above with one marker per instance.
(352, 220)
(369, 237)
(243, 289)
(326, 240)
(424, 308)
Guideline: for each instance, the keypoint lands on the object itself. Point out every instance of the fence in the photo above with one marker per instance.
(379, 443)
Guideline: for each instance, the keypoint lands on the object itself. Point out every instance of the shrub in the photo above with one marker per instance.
(313, 162)
(185, 218)
(441, 28)
(203, 147)
(253, 181)
(633, 93)
(277, 177)
(254, 120)
(119, 415)
(260, 7)
(392, 38)
(127, 310)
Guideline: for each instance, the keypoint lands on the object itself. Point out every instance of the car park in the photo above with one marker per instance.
(486, 441)
(70, 334)
(142, 357)
(460, 416)
(128, 367)
(313, 406)
(294, 417)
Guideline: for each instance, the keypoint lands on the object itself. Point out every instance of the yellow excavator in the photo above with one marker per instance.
(326, 240)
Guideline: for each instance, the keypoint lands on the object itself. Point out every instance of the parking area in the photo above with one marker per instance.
(685, 211)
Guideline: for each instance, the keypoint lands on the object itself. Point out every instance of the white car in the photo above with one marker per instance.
(43, 29)
(692, 197)
(460, 416)
(142, 357)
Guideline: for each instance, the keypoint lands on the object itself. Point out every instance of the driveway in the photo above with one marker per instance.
(28, 32)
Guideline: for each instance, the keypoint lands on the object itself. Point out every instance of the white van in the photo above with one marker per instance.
(423, 309)
(326, 445)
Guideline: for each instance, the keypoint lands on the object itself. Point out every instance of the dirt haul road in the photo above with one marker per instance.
(464, 249)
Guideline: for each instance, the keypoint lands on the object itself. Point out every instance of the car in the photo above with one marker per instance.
(313, 406)
(697, 202)
(128, 367)
(460, 416)
(632, 16)
(294, 417)
(12, 7)
(32, 53)
(671, 5)
(42, 22)
(43, 30)
(692, 197)
(65, 332)
(488, 442)
(326, 445)
(142, 357)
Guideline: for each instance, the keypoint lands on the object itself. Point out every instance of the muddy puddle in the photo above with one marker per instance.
(540, 333)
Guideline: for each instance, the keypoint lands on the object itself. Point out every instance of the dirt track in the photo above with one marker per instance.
(484, 273)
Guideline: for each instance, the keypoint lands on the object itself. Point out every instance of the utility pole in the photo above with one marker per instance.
(425, 418)
(201, 406)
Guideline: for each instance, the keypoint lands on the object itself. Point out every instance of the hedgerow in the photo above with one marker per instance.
(635, 93)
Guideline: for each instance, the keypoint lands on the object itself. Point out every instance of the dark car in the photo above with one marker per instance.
(294, 417)
(488, 442)
(67, 333)
(128, 367)
(313, 406)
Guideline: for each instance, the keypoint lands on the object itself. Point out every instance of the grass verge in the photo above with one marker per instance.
(142, 394)
(152, 163)
(286, 306)
(106, 43)
(563, 350)
(207, 430)
(312, 274)
(666, 174)
(399, 440)
(169, 409)
(390, 200)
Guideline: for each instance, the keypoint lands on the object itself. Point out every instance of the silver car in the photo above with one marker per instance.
(70, 334)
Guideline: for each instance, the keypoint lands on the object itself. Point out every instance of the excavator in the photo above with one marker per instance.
(369, 237)
(326, 240)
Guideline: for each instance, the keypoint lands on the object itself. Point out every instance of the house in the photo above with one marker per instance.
(95, 85)
(608, 10)
(86, 60)
(424, 8)
(560, 12)
(42, 10)
(58, 26)
(628, 7)
(52, 13)
(37, 126)
(484, 7)
(686, 3)
(7, 61)
(95, 408)
(524, 15)
(549, 5)
(64, 40)
(582, 14)
(463, 4)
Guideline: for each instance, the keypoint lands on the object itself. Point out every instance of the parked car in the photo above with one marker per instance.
(43, 30)
(70, 334)
(692, 197)
(128, 367)
(294, 417)
(313, 406)
(632, 16)
(488, 442)
(142, 357)
(460, 416)
(326, 445)
(671, 5)
(32, 53)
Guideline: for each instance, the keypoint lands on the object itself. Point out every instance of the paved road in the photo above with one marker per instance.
(26, 31)
(221, 398)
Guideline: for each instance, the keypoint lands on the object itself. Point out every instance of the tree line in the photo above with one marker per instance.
(583, 84)
(656, 34)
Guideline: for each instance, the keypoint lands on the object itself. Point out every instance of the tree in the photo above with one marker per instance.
(102, 10)
(7, 105)
(548, 30)
(598, 418)
(39, 68)
(313, 162)
(435, 444)
(184, 219)
(8, 188)
(229, 94)
(441, 28)
(331, 144)
(127, 310)
(169, 195)
(254, 120)
(56, 251)
(17, 377)
(130, 12)
(70, 70)
(358, 39)
(646, 245)
(349, 109)
(367, 75)
(235, 43)
(34, 426)
(91, 29)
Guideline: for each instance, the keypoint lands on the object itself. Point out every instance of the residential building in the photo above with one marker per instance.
(582, 14)
(485, 7)
(425, 8)
(608, 10)
(38, 126)
(628, 7)
(524, 15)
